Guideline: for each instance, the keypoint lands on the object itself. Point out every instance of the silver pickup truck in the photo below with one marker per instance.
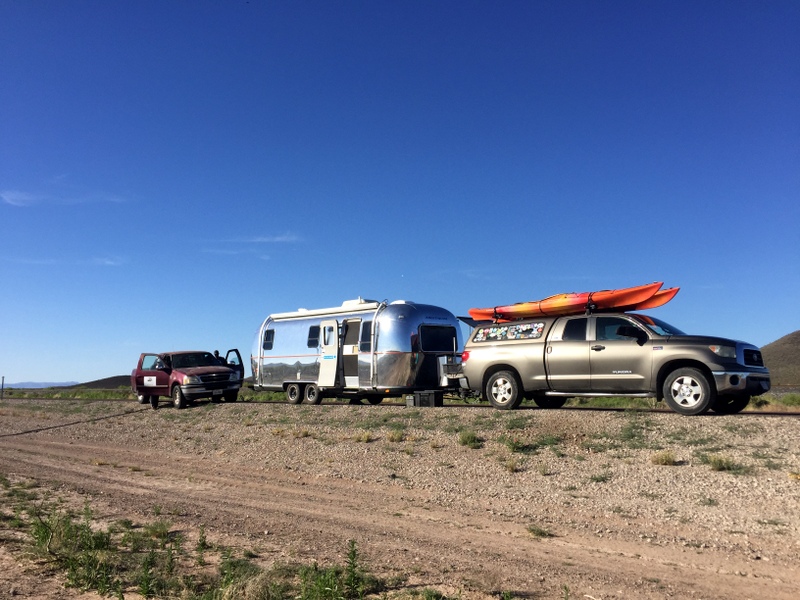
(550, 359)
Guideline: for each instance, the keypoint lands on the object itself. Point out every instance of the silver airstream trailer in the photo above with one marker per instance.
(363, 349)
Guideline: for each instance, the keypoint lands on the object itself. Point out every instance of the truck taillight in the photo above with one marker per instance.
(464, 356)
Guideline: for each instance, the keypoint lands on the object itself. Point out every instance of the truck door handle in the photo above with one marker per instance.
(598, 347)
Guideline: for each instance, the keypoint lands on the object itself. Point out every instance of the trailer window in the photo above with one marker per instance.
(330, 335)
(313, 336)
(365, 344)
(435, 338)
(269, 339)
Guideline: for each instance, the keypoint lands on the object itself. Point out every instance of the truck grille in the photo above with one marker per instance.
(753, 358)
(215, 377)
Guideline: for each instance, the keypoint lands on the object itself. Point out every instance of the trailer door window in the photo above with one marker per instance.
(365, 345)
(436, 338)
(313, 336)
(269, 339)
(329, 335)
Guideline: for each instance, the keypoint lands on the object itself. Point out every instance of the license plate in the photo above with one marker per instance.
(216, 393)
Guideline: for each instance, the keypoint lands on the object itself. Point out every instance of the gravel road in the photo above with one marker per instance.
(548, 504)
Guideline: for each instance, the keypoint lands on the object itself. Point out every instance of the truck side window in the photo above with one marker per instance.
(575, 330)
(269, 339)
(365, 345)
(607, 328)
(149, 361)
(313, 336)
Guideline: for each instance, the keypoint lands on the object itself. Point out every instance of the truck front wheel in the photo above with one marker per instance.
(178, 399)
(688, 392)
(503, 390)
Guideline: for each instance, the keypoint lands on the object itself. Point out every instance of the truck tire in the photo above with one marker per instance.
(154, 402)
(730, 405)
(311, 394)
(503, 390)
(688, 392)
(543, 401)
(178, 399)
(142, 398)
(231, 396)
(294, 393)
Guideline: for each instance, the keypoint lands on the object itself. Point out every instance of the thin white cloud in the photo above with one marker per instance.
(286, 238)
(22, 199)
(17, 198)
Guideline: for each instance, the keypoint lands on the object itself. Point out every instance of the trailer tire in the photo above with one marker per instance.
(503, 390)
(688, 392)
(311, 394)
(374, 400)
(294, 393)
(730, 405)
(543, 401)
(178, 399)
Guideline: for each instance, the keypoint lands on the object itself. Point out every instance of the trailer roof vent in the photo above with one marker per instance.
(357, 302)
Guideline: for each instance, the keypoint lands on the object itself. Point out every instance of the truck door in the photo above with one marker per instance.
(233, 360)
(350, 352)
(621, 355)
(567, 356)
(153, 378)
(329, 353)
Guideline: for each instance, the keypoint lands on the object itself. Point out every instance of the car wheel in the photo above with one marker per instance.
(311, 394)
(294, 393)
(503, 390)
(688, 392)
(142, 399)
(549, 401)
(178, 399)
(231, 396)
(730, 405)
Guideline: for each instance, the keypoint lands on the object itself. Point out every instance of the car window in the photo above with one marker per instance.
(574, 330)
(606, 328)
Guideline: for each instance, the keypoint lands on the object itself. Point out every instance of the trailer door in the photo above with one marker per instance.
(329, 359)
(350, 352)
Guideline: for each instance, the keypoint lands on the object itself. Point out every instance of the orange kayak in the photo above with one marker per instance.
(578, 302)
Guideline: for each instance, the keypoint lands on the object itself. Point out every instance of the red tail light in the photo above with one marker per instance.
(464, 356)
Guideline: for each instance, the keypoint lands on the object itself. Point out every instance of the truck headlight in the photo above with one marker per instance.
(724, 351)
(234, 376)
(189, 379)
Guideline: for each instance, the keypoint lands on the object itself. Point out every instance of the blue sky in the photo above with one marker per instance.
(172, 172)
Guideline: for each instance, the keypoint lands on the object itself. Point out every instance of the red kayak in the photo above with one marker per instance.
(640, 297)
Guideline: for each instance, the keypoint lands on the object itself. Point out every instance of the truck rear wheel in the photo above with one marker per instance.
(688, 392)
(311, 394)
(730, 405)
(294, 393)
(503, 390)
(178, 399)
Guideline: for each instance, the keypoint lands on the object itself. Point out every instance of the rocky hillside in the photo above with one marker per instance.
(782, 357)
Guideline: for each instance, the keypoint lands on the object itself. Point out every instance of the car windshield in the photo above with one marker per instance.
(658, 326)
(194, 359)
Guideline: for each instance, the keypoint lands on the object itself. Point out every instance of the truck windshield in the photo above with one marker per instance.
(658, 326)
(194, 359)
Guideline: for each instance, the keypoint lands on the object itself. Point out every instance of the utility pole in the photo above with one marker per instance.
(2, 387)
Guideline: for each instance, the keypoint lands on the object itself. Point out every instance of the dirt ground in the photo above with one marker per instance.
(296, 483)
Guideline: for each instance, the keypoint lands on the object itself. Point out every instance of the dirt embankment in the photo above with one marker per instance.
(552, 504)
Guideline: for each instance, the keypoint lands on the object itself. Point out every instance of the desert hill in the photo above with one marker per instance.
(782, 358)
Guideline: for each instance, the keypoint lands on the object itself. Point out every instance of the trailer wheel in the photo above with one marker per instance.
(688, 392)
(294, 393)
(503, 390)
(730, 405)
(543, 401)
(178, 399)
(311, 394)
(374, 400)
